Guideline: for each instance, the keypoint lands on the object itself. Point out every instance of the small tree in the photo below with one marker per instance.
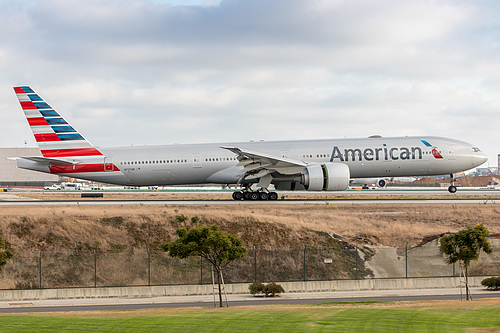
(465, 246)
(5, 253)
(218, 247)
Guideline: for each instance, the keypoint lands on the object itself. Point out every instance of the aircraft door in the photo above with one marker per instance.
(197, 160)
(108, 164)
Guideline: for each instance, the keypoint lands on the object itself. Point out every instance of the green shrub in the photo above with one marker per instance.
(5, 253)
(270, 290)
(256, 288)
(492, 283)
(181, 218)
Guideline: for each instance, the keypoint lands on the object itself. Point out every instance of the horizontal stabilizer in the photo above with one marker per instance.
(47, 161)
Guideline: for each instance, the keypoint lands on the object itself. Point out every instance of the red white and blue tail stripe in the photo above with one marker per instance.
(65, 151)
(54, 135)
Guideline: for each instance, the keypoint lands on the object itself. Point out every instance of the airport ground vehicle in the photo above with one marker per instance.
(52, 187)
(71, 186)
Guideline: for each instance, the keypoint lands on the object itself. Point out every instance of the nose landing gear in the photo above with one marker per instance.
(452, 188)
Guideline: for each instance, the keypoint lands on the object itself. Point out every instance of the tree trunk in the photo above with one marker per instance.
(467, 292)
(220, 289)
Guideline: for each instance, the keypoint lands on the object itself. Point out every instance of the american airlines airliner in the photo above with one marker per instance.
(312, 165)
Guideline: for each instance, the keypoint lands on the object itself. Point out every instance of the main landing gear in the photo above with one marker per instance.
(255, 195)
(452, 188)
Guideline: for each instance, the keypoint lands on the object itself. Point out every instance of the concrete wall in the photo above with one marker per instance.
(10, 174)
(236, 288)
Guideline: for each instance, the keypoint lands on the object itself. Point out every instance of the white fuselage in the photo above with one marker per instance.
(209, 163)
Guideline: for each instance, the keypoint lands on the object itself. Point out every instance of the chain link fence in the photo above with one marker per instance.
(155, 267)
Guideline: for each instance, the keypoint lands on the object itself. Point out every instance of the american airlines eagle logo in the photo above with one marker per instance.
(434, 151)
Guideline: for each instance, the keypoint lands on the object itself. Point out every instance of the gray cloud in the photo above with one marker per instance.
(130, 72)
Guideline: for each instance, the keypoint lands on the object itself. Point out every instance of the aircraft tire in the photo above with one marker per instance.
(238, 195)
(452, 189)
(273, 196)
(263, 196)
(253, 196)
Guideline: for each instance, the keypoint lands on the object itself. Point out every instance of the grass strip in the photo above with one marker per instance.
(329, 318)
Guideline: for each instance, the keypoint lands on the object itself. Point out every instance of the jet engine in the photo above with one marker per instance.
(367, 182)
(326, 177)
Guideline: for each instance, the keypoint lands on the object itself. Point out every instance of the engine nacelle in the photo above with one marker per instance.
(326, 177)
(378, 182)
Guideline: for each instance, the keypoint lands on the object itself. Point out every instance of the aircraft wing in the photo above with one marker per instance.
(258, 165)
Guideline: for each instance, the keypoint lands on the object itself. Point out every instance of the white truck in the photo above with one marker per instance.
(52, 187)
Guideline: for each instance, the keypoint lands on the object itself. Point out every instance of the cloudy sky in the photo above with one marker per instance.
(184, 71)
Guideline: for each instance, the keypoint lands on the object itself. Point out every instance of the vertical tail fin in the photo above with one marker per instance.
(54, 135)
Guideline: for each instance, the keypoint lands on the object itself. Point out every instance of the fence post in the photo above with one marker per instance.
(149, 267)
(40, 267)
(201, 270)
(406, 260)
(356, 254)
(304, 262)
(254, 263)
(95, 269)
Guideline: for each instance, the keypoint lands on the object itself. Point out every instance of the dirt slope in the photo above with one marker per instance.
(62, 229)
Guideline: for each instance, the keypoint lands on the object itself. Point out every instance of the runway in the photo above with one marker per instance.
(248, 203)
(223, 198)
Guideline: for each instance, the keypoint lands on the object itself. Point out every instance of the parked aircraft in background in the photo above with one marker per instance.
(406, 179)
(313, 165)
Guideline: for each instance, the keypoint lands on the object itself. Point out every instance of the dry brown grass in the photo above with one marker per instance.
(63, 227)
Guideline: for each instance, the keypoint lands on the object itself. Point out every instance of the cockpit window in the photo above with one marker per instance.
(475, 149)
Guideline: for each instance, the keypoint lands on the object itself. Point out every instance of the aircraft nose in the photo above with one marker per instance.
(480, 158)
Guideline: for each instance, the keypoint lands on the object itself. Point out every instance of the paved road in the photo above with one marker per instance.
(235, 300)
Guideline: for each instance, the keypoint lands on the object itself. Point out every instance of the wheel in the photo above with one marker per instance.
(452, 189)
(238, 195)
(246, 195)
(273, 196)
(254, 196)
(263, 196)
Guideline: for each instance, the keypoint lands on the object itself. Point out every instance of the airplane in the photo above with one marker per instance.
(311, 165)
